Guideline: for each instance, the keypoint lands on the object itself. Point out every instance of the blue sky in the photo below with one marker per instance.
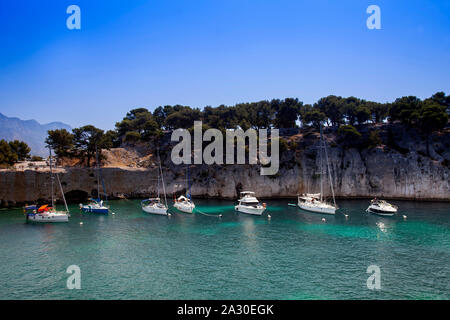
(208, 52)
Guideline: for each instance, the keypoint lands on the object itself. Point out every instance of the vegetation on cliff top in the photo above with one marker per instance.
(345, 115)
(13, 151)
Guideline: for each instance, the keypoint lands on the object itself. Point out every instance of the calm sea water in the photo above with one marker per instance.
(294, 255)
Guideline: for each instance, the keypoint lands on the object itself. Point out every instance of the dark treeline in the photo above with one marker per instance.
(13, 151)
(343, 114)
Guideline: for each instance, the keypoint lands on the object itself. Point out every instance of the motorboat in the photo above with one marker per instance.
(382, 208)
(249, 204)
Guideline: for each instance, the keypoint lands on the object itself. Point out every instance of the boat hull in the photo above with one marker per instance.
(382, 213)
(316, 209)
(184, 208)
(153, 210)
(48, 218)
(87, 209)
(250, 210)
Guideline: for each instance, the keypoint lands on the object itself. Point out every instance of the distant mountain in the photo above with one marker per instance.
(30, 131)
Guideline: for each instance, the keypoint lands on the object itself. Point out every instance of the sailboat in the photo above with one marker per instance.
(185, 203)
(96, 205)
(154, 205)
(315, 202)
(48, 213)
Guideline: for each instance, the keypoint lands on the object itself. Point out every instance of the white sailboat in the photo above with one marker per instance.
(48, 213)
(315, 202)
(185, 203)
(154, 205)
(248, 203)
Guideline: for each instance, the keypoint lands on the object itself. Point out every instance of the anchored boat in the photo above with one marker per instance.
(154, 205)
(96, 205)
(185, 203)
(382, 208)
(248, 203)
(316, 202)
(48, 213)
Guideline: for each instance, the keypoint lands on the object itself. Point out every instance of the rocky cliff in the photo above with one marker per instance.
(404, 169)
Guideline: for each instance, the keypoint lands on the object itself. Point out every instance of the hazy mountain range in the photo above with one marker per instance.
(30, 131)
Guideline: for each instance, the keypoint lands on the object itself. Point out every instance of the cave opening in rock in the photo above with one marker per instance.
(76, 196)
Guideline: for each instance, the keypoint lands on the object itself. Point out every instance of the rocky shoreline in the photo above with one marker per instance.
(404, 170)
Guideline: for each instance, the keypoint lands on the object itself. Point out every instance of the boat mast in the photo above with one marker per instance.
(328, 167)
(51, 175)
(162, 180)
(62, 192)
(321, 164)
(98, 173)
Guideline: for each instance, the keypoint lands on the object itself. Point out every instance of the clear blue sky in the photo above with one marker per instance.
(207, 52)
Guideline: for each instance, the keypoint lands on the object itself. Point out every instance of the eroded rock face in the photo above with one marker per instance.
(402, 172)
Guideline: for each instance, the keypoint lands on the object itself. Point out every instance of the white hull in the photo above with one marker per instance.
(49, 217)
(383, 213)
(250, 209)
(155, 210)
(318, 209)
(187, 208)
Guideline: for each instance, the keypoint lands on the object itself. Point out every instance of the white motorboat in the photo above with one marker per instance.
(154, 205)
(315, 202)
(184, 204)
(382, 208)
(48, 213)
(249, 204)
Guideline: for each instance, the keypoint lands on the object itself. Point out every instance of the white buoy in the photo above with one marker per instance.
(269, 216)
(81, 223)
(346, 216)
(404, 217)
(220, 216)
(169, 214)
(112, 213)
(324, 220)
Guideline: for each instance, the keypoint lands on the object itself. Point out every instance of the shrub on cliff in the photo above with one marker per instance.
(87, 140)
(349, 136)
(61, 142)
(21, 149)
(374, 139)
(7, 156)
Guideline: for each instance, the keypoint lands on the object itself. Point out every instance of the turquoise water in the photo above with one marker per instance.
(294, 255)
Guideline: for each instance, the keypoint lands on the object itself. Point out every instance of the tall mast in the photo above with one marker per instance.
(329, 172)
(98, 173)
(62, 192)
(162, 179)
(159, 172)
(188, 191)
(51, 175)
(321, 164)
